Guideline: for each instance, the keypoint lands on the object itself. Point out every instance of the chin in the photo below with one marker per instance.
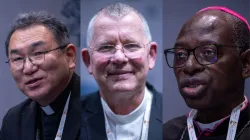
(37, 94)
(197, 104)
(123, 87)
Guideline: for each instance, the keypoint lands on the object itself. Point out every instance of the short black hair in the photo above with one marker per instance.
(26, 20)
(241, 33)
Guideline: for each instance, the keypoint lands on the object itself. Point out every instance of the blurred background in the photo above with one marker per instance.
(165, 19)
(68, 11)
(151, 10)
(175, 14)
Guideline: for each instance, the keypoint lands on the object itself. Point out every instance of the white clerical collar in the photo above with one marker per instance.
(123, 119)
(48, 110)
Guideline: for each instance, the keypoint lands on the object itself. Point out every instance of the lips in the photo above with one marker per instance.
(33, 82)
(192, 87)
(119, 74)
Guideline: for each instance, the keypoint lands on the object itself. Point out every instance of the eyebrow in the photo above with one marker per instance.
(200, 43)
(33, 45)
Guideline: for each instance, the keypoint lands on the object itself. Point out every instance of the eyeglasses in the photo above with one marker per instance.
(204, 55)
(130, 50)
(36, 58)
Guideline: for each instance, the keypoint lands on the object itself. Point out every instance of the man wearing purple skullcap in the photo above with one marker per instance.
(211, 60)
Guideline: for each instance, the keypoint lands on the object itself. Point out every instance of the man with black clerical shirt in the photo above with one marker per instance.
(42, 62)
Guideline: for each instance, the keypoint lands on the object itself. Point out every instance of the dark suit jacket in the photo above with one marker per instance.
(20, 121)
(93, 123)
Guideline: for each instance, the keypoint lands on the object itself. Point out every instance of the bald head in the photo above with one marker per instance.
(212, 20)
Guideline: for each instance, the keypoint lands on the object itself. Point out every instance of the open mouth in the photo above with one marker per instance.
(192, 86)
(33, 82)
(193, 89)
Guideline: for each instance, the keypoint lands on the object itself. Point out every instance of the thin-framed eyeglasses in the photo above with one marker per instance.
(205, 55)
(36, 58)
(130, 50)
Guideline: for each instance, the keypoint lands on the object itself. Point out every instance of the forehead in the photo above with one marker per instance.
(128, 27)
(206, 28)
(23, 38)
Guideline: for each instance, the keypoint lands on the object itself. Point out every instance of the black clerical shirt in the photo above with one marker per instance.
(49, 123)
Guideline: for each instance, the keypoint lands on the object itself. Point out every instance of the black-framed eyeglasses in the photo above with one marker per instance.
(204, 55)
(36, 58)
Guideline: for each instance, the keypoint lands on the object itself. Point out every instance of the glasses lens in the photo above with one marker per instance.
(206, 54)
(16, 63)
(176, 57)
(37, 57)
(133, 50)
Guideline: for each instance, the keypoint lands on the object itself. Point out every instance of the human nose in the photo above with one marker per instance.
(28, 66)
(192, 66)
(119, 56)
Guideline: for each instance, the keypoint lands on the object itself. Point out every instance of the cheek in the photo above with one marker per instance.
(18, 77)
(55, 69)
(177, 72)
(99, 64)
(140, 64)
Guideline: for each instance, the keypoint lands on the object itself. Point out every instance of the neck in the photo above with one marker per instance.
(124, 104)
(217, 113)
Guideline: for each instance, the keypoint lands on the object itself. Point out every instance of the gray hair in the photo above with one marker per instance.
(117, 10)
(26, 20)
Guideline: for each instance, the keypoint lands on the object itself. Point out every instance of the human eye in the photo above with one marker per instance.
(37, 55)
(132, 47)
(209, 51)
(105, 48)
(17, 59)
(180, 54)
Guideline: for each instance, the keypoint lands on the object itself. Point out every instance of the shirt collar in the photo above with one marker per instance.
(123, 119)
(48, 110)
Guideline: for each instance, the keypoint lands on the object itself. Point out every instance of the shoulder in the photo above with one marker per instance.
(174, 128)
(12, 119)
(18, 109)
